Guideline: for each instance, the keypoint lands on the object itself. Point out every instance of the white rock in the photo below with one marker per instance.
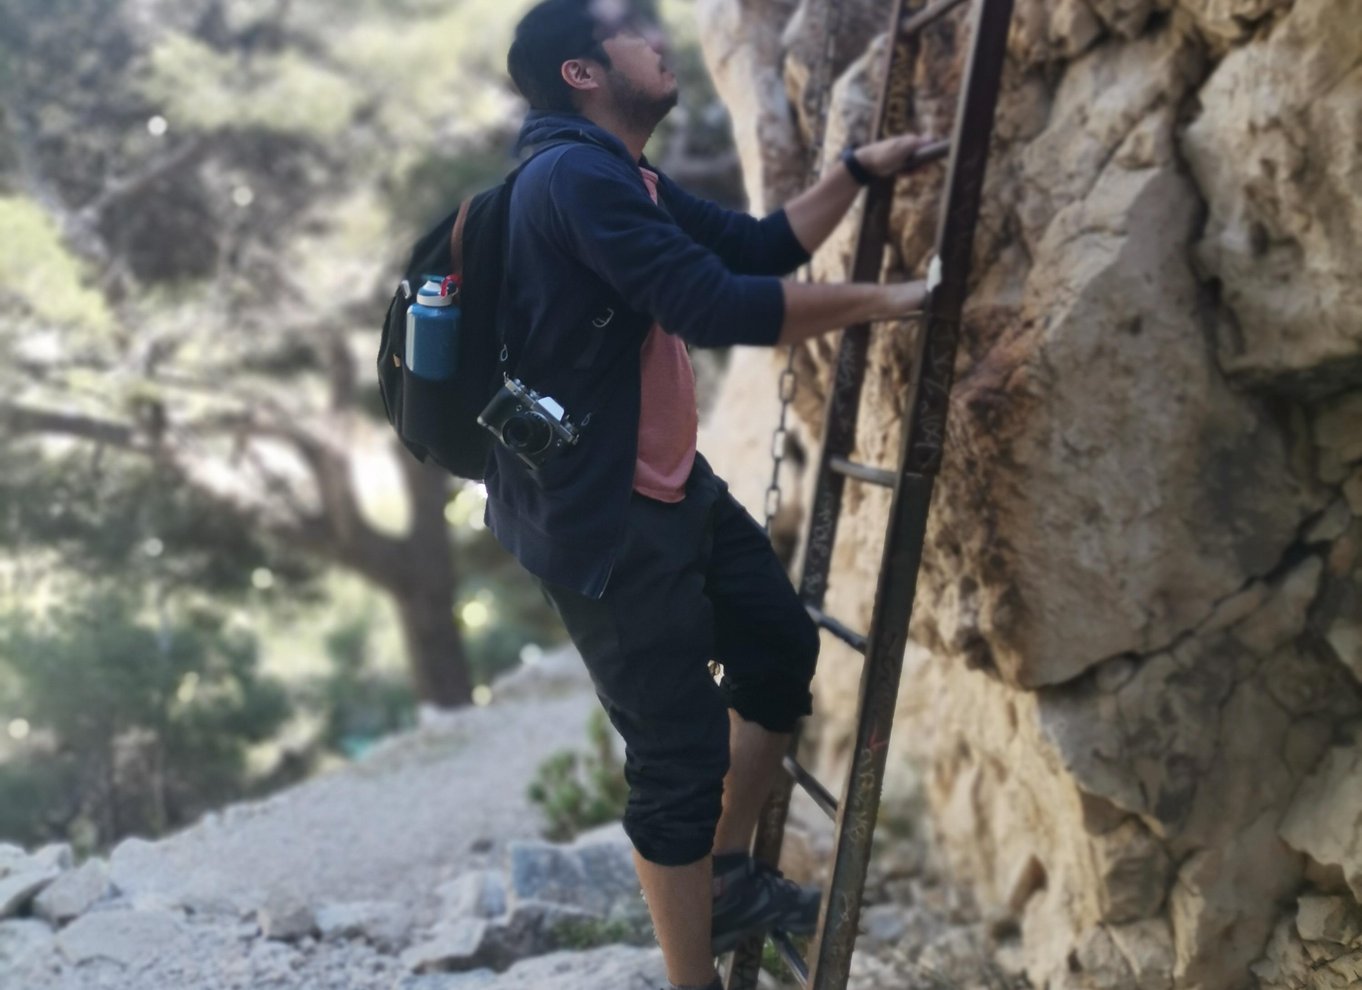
(285, 917)
(1148, 949)
(10, 857)
(384, 923)
(56, 854)
(74, 892)
(884, 922)
(476, 894)
(1321, 918)
(453, 946)
(616, 967)
(1323, 820)
(130, 938)
(1277, 151)
(591, 874)
(20, 886)
(22, 939)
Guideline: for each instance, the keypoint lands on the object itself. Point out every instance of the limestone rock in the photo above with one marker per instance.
(595, 874)
(1134, 867)
(383, 923)
(1139, 577)
(741, 41)
(1325, 819)
(1155, 504)
(129, 938)
(22, 939)
(884, 922)
(613, 966)
(806, 45)
(1222, 22)
(55, 854)
(1148, 950)
(454, 946)
(74, 892)
(1308, 952)
(1277, 152)
(22, 884)
(1321, 918)
(285, 917)
(477, 894)
(1052, 31)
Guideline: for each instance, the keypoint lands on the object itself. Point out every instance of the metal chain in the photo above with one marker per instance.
(822, 80)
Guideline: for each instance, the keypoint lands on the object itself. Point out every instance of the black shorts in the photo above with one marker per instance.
(694, 580)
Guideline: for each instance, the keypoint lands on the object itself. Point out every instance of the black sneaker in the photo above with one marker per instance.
(751, 898)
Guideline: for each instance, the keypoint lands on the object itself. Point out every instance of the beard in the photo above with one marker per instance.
(639, 110)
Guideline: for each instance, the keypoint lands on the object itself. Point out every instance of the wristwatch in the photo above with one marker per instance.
(854, 166)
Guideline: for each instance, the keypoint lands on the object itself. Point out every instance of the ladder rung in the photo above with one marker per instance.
(820, 794)
(862, 472)
(847, 635)
(790, 956)
(932, 12)
(928, 153)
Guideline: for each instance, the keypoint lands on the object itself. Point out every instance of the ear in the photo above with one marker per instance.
(580, 74)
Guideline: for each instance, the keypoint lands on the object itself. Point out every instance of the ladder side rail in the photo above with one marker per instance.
(893, 114)
(920, 459)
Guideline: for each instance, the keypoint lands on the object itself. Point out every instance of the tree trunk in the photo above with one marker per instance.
(426, 590)
(435, 651)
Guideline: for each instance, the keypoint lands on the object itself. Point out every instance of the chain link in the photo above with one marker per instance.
(822, 81)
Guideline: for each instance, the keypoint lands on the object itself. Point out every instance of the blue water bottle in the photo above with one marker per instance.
(433, 331)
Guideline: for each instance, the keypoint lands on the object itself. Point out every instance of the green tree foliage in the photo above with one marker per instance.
(358, 704)
(132, 723)
(202, 206)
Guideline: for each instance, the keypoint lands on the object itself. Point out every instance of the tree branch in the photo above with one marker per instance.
(17, 419)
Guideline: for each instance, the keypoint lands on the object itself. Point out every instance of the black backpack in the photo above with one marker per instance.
(439, 420)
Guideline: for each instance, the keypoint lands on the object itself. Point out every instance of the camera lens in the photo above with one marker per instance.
(526, 433)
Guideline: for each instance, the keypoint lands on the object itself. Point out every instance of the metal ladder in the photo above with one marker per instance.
(924, 433)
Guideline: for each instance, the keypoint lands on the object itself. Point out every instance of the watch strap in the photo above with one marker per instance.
(853, 165)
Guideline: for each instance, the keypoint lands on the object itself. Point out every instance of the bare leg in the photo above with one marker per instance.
(754, 757)
(679, 899)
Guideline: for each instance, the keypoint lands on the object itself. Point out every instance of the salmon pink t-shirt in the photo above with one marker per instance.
(668, 419)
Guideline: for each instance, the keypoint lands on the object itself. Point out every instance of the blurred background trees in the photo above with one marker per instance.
(218, 571)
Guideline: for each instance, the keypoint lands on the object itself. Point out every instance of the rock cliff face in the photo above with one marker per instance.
(1133, 693)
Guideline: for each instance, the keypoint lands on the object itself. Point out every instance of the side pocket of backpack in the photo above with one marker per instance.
(392, 366)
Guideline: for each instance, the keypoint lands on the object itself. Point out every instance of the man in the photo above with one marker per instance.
(654, 568)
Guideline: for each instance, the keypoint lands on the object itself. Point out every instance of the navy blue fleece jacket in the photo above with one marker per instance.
(591, 263)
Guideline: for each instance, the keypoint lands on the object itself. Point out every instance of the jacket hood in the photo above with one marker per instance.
(543, 126)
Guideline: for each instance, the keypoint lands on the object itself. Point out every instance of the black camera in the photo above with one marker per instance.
(529, 425)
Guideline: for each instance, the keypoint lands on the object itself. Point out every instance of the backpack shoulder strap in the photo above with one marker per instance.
(456, 238)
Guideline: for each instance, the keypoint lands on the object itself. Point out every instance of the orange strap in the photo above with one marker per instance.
(456, 239)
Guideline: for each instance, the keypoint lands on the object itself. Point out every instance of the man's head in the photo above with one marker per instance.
(585, 55)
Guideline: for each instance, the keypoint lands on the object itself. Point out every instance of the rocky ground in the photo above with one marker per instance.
(420, 867)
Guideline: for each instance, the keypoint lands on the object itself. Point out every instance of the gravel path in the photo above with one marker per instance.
(238, 901)
(415, 812)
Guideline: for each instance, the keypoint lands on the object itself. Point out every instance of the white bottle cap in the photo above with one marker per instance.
(430, 295)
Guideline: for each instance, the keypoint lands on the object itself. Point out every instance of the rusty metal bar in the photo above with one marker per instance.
(842, 631)
(812, 786)
(790, 956)
(928, 153)
(894, 113)
(862, 472)
(924, 436)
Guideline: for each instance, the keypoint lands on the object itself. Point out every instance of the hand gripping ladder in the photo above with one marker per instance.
(924, 434)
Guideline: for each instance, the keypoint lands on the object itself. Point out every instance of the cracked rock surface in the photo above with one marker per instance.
(1131, 694)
